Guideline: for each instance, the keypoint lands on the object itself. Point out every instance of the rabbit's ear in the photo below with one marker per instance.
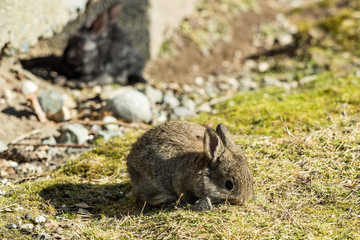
(114, 13)
(213, 145)
(225, 135)
(98, 26)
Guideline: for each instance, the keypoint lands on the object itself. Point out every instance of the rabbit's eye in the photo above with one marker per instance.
(229, 185)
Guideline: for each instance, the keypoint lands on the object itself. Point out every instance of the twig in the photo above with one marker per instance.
(54, 145)
(142, 210)
(33, 98)
(292, 217)
(354, 190)
(178, 201)
(26, 135)
(213, 102)
(287, 129)
(2, 209)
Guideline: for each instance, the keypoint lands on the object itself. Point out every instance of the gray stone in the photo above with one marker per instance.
(27, 227)
(49, 140)
(199, 81)
(171, 100)
(74, 133)
(11, 226)
(162, 117)
(13, 164)
(271, 81)
(183, 112)
(28, 216)
(131, 105)
(39, 219)
(111, 127)
(234, 83)
(3, 147)
(43, 236)
(247, 83)
(203, 204)
(109, 92)
(51, 101)
(155, 95)
(28, 87)
(110, 134)
(71, 150)
(263, 67)
(189, 104)
(96, 128)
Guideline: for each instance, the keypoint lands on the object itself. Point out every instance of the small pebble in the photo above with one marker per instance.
(28, 216)
(112, 126)
(3, 147)
(74, 133)
(43, 236)
(39, 219)
(28, 87)
(27, 227)
(11, 226)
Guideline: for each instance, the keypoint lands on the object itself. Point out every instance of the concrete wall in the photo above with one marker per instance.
(23, 22)
(147, 22)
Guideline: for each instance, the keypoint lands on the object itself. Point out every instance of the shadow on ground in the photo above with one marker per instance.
(93, 200)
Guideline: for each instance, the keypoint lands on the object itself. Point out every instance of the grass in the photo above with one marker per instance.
(303, 146)
(306, 169)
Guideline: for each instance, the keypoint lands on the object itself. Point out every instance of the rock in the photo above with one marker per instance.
(51, 101)
(74, 133)
(28, 87)
(183, 112)
(110, 127)
(96, 128)
(3, 147)
(234, 83)
(285, 39)
(171, 100)
(263, 67)
(247, 83)
(71, 150)
(132, 105)
(189, 104)
(49, 140)
(27, 227)
(155, 95)
(39, 219)
(271, 81)
(109, 92)
(43, 236)
(110, 134)
(162, 117)
(204, 108)
(11, 226)
(199, 81)
(203, 204)
(249, 65)
(28, 216)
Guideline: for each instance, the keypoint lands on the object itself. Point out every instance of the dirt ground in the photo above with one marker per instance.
(17, 119)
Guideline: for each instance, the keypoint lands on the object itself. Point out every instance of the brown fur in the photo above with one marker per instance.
(184, 159)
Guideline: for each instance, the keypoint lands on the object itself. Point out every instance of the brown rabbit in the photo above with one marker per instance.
(184, 160)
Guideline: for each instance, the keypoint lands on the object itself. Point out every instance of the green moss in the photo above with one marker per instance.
(275, 111)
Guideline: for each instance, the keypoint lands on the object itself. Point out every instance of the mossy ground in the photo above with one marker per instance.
(303, 146)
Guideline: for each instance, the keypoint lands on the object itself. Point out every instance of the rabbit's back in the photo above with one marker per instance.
(163, 156)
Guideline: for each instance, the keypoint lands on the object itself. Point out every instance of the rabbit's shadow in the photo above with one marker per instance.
(94, 200)
(43, 66)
